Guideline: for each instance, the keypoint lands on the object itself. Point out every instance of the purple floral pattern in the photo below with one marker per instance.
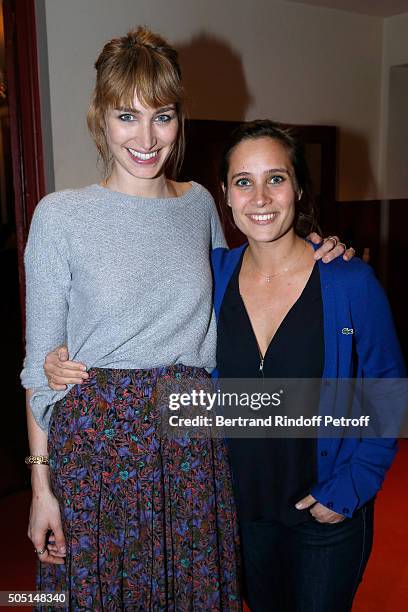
(149, 522)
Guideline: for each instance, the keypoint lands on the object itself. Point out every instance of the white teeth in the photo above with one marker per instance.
(263, 217)
(143, 156)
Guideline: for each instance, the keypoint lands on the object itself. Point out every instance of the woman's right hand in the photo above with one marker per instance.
(45, 516)
(61, 372)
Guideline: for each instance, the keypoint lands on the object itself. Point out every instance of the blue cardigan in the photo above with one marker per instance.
(350, 471)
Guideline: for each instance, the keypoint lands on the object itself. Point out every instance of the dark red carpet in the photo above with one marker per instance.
(385, 585)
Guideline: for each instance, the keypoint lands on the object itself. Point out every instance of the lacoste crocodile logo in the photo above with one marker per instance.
(346, 331)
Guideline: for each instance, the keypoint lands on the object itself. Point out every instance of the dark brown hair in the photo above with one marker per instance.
(140, 63)
(305, 207)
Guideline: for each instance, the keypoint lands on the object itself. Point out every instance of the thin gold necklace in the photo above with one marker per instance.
(268, 277)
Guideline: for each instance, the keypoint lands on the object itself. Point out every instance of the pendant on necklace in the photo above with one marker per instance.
(268, 279)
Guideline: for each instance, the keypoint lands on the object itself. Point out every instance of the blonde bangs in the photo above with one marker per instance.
(150, 78)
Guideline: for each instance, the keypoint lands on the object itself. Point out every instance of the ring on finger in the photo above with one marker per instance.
(40, 551)
(343, 245)
(333, 239)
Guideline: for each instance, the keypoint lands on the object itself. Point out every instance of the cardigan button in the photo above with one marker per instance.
(329, 505)
(324, 453)
(345, 511)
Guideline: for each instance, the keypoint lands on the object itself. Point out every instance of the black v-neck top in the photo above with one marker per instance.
(271, 475)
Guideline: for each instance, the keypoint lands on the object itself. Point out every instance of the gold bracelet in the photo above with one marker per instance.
(37, 459)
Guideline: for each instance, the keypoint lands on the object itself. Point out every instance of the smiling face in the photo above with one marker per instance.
(261, 189)
(140, 140)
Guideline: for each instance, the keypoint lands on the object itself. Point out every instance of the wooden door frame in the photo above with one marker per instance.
(25, 118)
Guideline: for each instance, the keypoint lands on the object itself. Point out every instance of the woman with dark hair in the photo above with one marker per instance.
(305, 506)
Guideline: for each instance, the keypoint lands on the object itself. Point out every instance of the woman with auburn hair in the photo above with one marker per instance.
(149, 524)
(122, 518)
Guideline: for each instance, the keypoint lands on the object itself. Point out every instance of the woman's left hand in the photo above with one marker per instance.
(321, 513)
(331, 248)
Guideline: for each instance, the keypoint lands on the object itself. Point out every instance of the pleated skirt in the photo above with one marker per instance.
(149, 521)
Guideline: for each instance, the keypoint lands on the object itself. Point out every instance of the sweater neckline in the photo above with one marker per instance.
(126, 198)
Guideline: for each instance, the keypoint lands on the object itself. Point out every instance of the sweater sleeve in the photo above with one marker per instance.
(48, 281)
(217, 233)
(358, 480)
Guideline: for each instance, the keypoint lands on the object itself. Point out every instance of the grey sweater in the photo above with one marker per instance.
(125, 281)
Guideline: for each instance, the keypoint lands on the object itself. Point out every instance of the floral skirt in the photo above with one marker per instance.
(149, 521)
